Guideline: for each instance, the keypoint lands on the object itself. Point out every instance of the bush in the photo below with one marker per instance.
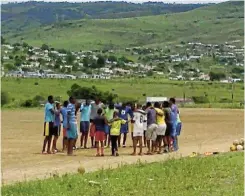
(4, 98)
(27, 103)
(36, 83)
(225, 100)
(200, 99)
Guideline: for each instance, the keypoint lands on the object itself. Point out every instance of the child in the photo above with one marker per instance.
(161, 127)
(138, 131)
(109, 111)
(57, 124)
(85, 110)
(178, 129)
(64, 121)
(99, 123)
(168, 142)
(144, 125)
(115, 124)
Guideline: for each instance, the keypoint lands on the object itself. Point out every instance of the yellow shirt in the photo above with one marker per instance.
(116, 126)
(160, 116)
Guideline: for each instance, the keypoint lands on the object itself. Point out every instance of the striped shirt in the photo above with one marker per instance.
(71, 113)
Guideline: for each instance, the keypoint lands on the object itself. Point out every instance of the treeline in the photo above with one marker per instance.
(50, 12)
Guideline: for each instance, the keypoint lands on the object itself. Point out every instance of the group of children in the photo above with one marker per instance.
(154, 126)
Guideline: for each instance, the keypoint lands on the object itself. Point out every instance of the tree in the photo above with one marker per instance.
(4, 98)
(85, 61)
(25, 45)
(101, 61)
(44, 47)
(70, 58)
(149, 73)
(63, 69)
(216, 75)
(237, 70)
(3, 41)
(112, 58)
(18, 62)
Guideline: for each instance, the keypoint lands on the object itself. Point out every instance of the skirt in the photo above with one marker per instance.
(99, 136)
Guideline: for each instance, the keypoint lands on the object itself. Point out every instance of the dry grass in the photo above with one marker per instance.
(204, 130)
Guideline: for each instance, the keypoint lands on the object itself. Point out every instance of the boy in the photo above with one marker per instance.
(138, 132)
(124, 111)
(94, 108)
(168, 120)
(85, 110)
(161, 126)
(99, 123)
(48, 124)
(109, 111)
(115, 124)
(144, 125)
(64, 122)
(178, 129)
(174, 113)
(57, 124)
(152, 126)
(71, 125)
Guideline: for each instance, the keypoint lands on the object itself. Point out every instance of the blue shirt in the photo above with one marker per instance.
(124, 112)
(174, 113)
(57, 118)
(49, 117)
(85, 112)
(64, 116)
(71, 113)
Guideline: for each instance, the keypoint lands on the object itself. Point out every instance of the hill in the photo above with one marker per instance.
(211, 24)
(19, 16)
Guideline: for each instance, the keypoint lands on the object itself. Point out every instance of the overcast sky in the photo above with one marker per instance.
(135, 1)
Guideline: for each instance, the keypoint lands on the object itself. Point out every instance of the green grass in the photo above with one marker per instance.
(212, 24)
(127, 89)
(216, 175)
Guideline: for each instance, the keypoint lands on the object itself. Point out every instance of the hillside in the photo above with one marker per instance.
(212, 24)
(19, 16)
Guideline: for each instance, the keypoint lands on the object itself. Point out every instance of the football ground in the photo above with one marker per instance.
(203, 130)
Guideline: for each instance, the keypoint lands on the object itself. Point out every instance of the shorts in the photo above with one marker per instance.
(107, 129)
(84, 126)
(161, 129)
(48, 129)
(72, 131)
(151, 132)
(92, 130)
(99, 136)
(137, 133)
(64, 132)
(178, 128)
(170, 129)
(124, 128)
(56, 131)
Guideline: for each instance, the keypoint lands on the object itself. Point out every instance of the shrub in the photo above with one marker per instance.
(200, 99)
(36, 83)
(27, 103)
(225, 100)
(4, 98)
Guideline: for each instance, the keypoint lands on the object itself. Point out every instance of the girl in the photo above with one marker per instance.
(109, 111)
(115, 124)
(99, 123)
(64, 121)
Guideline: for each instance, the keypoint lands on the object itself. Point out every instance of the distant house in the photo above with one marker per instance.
(84, 76)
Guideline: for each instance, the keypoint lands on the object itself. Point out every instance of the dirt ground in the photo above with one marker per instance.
(203, 130)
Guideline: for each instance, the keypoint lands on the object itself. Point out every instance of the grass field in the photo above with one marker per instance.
(203, 130)
(213, 24)
(221, 175)
(127, 89)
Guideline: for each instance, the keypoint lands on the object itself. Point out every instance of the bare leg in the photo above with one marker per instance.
(92, 142)
(45, 143)
(102, 148)
(140, 142)
(81, 139)
(98, 148)
(134, 145)
(86, 140)
(144, 139)
(49, 144)
(148, 146)
(54, 144)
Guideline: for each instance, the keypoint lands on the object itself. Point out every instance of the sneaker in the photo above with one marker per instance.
(117, 154)
(102, 155)
(124, 146)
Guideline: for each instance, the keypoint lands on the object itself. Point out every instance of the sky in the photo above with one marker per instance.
(134, 1)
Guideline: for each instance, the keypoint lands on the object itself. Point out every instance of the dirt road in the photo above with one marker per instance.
(203, 130)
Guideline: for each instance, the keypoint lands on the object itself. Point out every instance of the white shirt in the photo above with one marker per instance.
(139, 118)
